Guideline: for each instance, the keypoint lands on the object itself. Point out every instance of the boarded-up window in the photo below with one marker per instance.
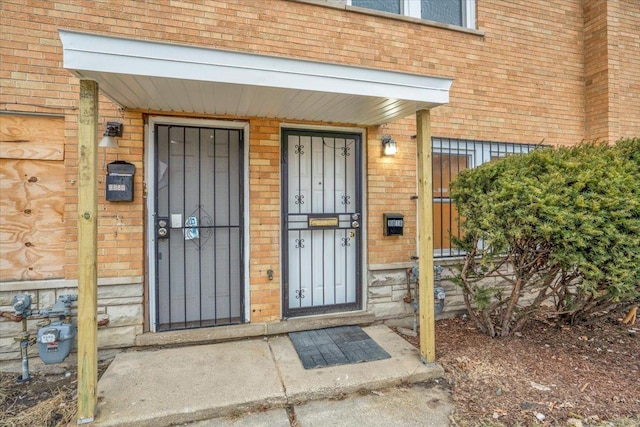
(31, 197)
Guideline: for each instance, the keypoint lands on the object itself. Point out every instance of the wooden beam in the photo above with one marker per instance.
(87, 252)
(425, 238)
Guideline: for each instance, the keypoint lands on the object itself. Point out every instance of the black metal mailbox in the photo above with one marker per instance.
(393, 224)
(120, 181)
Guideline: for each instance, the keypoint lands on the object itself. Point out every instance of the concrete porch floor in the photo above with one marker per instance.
(204, 382)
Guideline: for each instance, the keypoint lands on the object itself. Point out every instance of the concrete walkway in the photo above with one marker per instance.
(262, 382)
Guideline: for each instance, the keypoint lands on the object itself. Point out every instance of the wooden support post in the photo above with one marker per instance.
(87, 251)
(425, 238)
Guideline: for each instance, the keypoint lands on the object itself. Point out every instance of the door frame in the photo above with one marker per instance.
(362, 273)
(150, 190)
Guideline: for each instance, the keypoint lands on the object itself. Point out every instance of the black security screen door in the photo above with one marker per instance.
(198, 225)
(321, 222)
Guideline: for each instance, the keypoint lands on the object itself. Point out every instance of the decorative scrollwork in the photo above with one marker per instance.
(346, 200)
(299, 149)
(346, 151)
(299, 199)
(300, 293)
(346, 241)
(299, 243)
(205, 226)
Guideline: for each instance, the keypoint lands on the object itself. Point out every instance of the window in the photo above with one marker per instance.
(447, 11)
(391, 6)
(450, 157)
(453, 12)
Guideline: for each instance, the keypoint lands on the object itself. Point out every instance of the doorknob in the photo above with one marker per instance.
(355, 224)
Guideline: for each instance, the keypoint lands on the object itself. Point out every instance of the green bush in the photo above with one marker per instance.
(559, 225)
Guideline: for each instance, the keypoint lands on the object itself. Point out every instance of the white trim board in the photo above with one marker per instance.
(147, 75)
(150, 220)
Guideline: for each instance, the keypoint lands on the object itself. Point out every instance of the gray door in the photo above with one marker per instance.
(198, 223)
(321, 222)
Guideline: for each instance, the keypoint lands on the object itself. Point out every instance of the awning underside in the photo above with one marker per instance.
(167, 77)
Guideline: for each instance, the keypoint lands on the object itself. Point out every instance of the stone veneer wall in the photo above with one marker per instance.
(388, 287)
(119, 300)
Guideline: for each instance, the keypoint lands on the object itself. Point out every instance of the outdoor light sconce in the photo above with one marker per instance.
(112, 130)
(389, 146)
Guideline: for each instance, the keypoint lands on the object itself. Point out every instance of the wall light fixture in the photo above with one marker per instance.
(112, 130)
(390, 147)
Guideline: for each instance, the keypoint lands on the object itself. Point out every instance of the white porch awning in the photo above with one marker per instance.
(146, 75)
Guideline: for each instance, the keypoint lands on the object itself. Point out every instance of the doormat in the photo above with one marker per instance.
(342, 345)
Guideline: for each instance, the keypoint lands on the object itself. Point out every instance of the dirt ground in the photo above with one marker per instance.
(46, 400)
(550, 375)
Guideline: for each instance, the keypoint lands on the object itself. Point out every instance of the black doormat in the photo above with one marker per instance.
(335, 346)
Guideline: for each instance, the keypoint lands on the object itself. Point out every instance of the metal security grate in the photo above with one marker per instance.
(450, 157)
(198, 220)
(321, 222)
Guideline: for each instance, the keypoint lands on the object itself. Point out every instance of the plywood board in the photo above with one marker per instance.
(31, 219)
(37, 137)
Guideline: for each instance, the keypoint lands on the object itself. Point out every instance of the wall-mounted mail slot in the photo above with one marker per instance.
(323, 222)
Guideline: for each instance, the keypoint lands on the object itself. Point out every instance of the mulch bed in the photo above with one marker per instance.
(550, 374)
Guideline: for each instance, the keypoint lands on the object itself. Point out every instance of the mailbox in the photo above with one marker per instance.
(393, 224)
(120, 181)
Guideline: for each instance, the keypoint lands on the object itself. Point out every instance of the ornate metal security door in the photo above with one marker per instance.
(321, 222)
(198, 225)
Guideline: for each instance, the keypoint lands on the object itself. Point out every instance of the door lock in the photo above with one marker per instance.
(162, 228)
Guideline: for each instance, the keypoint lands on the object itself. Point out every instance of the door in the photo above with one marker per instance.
(199, 226)
(321, 222)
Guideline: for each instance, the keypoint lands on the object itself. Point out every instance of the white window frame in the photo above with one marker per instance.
(412, 8)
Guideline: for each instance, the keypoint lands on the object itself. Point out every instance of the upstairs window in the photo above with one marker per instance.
(447, 11)
(391, 6)
(454, 12)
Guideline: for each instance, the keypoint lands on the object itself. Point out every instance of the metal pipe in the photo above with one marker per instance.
(11, 316)
(24, 344)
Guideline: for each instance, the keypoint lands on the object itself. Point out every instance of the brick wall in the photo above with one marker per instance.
(612, 58)
(624, 63)
(264, 225)
(597, 77)
(522, 81)
(120, 225)
(391, 182)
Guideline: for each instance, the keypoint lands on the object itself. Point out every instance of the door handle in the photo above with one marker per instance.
(355, 224)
